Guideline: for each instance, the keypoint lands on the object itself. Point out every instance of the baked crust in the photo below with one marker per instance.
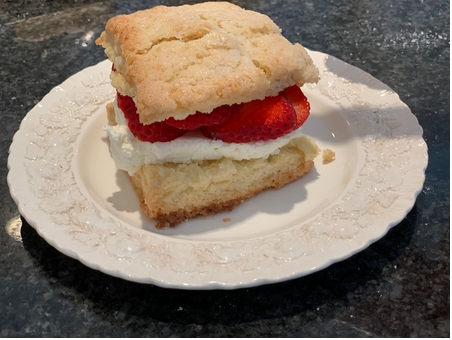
(175, 61)
(171, 193)
(174, 218)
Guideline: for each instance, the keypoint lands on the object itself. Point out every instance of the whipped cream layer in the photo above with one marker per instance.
(129, 153)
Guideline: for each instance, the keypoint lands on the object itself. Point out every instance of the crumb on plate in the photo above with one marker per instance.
(328, 155)
(226, 220)
(111, 114)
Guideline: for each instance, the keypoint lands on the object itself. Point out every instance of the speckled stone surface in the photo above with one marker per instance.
(398, 287)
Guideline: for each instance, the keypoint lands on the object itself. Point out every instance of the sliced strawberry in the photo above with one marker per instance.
(299, 102)
(258, 120)
(192, 122)
(155, 132)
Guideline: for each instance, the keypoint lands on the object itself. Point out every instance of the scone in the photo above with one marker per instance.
(209, 108)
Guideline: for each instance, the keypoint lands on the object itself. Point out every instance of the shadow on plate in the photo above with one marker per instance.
(270, 201)
(353, 73)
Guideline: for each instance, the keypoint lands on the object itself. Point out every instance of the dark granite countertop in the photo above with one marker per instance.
(398, 287)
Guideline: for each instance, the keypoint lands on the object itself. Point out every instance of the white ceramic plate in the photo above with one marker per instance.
(67, 187)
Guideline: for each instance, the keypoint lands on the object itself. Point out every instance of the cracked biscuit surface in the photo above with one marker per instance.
(175, 61)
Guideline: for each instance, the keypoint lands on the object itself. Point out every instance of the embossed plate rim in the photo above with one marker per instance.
(83, 232)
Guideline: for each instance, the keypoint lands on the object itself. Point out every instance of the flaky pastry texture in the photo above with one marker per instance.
(175, 61)
(170, 193)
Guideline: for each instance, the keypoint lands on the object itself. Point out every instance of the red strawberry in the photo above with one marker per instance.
(192, 122)
(155, 132)
(257, 120)
(300, 104)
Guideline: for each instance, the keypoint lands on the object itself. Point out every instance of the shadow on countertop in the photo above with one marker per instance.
(314, 296)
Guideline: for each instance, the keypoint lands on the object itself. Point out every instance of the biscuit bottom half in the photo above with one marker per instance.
(171, 193)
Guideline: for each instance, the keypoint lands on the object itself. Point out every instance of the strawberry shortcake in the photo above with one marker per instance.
(208, 110)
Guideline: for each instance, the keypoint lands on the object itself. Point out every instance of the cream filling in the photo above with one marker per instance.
(129, 153)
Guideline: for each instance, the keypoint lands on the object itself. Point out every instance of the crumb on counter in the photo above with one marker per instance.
(226, 220)
(328, 155)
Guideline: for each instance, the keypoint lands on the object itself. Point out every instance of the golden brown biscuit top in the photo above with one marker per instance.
(175, 61)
